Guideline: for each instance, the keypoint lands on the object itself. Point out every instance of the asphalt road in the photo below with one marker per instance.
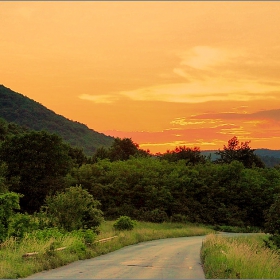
(173, 258)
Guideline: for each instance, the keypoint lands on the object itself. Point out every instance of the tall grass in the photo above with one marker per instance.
(239, 257)
(14, 265)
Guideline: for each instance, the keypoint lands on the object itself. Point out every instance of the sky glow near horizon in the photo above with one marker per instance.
(162, 73)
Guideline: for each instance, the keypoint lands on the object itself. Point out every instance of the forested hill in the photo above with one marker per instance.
(19, 109)
(269, 157)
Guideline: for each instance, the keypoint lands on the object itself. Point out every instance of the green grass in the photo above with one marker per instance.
(239, 257)
(14, 265)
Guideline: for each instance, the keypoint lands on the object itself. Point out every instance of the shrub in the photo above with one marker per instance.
(9, 202)
(21, 224)
(74, 209)
(87, 235)
(124, 223)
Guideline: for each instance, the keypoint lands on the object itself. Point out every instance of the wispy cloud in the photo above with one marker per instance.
(268, 114)
(210, 90)
(107, 98)
(207, 74)
(213, 74)
(256, 117)
(204, 57)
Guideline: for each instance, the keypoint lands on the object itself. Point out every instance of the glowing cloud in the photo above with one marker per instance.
(99, 98)
(203, 57)
(210, 75)
(255, 118)
(210, 90)
(183, 122)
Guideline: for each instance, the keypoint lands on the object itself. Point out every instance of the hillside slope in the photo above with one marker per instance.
(17, 108)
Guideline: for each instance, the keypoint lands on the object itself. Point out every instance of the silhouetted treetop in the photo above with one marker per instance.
(241, 152)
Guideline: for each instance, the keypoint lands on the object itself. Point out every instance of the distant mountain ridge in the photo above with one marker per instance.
(269, 157)
(19, 109)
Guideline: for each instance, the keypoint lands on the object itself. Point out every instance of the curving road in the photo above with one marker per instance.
(173, 258)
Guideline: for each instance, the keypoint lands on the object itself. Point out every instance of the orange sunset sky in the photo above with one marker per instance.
(162, 73)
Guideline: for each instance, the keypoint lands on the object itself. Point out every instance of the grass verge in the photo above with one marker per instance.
(239, 257)
(14, 265)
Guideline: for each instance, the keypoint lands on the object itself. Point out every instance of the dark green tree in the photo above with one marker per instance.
(190, 155)
(240, 152)
(9, 129)
(77, 155)
(100, 153)
(36, 165)
(272, 223)
(272, 218)
(122, 149)
(3, 182)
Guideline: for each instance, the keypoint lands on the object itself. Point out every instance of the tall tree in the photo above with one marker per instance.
(241, 152)
(36, 165)
(122, 149)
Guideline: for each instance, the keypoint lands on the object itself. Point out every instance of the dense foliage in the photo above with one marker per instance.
(36, 165)
(19, 109)
(123, 180)
(148, 188)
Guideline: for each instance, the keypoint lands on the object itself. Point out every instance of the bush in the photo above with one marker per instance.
(9, 202)
(87, 235)
(74, 209)
(21, 224)
(124, 223)
(272, 242)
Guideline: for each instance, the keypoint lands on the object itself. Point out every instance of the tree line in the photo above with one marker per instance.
(179, 185)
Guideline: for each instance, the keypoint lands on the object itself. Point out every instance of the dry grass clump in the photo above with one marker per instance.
(239, 257)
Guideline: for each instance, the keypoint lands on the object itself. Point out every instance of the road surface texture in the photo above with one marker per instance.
(172, 258)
